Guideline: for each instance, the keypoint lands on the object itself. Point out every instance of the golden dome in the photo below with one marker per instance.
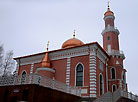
(72, 42)
(109, 13)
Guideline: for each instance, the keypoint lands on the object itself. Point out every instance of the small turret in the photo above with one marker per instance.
(46, 61)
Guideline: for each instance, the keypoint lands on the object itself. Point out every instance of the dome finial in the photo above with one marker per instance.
(74, 33)
(47, 45)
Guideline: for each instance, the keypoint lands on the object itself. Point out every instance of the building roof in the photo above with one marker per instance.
(16, 58)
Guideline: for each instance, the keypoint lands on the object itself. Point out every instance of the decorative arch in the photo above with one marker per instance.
(23, 76)
(114, 87)
(113, 73)
(79, 76)
(101, 84)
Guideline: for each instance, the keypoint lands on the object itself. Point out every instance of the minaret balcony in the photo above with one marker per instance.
(110, 29)
(116, 53)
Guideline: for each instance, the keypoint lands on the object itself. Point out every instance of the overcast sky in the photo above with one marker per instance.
(27, 25)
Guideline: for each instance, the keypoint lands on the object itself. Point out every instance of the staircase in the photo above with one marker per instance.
(117, 96)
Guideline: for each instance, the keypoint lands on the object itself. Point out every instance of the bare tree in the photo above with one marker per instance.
(8, 64)
(1, 58)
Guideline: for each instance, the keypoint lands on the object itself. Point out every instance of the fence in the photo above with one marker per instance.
(39, 80)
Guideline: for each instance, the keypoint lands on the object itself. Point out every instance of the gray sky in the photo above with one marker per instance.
(27, 25)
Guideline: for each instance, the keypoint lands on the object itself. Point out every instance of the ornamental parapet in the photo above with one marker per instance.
(39, 80)
(110, 29)
(117, 53)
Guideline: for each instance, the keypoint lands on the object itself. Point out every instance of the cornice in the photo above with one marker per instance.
(63, 54)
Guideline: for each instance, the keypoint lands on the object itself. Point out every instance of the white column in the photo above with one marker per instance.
(68, 71)
(17, 68)
(31, 71)
(32, 67)
(92, 64)
(106, 76)
(120, 84)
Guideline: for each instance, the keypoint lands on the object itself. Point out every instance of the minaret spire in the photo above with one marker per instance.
(74, 33)
(46, 60)
(108, 4)
(47, 46)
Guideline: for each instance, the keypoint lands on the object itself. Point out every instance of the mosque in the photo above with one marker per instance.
(98, 72)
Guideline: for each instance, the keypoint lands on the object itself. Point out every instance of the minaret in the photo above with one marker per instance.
(45, 68)
(116, 71)
(110, 33)
(46, 61)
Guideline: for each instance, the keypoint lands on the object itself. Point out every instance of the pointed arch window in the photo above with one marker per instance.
(101, 82)
(23, 77)
(79, 75)
(113, 73)
(123, 76)
(113, 88)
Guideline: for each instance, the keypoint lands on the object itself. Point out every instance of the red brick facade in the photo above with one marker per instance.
(101, 68)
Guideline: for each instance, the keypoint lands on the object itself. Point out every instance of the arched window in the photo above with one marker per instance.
(79, 75)
(123, 76)
(113, 73)
(101, 82)
(113, 88)
(23, 77)
(108, 38)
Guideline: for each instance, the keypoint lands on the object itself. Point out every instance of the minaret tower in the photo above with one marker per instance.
(110, 33)
(116, 71)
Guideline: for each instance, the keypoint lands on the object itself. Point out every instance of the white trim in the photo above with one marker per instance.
(17, 68)
(92, 82)
(83, 74)
(102, 84)
(93, 85)
(92, 64)
(46, 69)
(115, 87)
(120, 83)
(92, 88)
(93, 77)
(93, 92)
(32, 67)
(92, 73)
(68, 71)
(93, 95)
(93, 67)
(106, 76)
